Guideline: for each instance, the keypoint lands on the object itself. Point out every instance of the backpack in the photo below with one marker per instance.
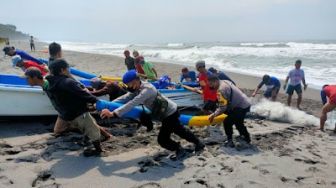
(160, 106)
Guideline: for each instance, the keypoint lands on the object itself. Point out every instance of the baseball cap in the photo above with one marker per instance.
(129, 76)
(200, 63)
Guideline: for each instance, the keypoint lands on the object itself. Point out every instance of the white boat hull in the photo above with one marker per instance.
(24, 101)
(32, 101)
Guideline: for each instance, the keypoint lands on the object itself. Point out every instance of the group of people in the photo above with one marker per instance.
(144, 68)
(74, 102)
(273, 85)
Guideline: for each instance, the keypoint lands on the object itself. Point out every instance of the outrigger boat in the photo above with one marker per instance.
(21, 100)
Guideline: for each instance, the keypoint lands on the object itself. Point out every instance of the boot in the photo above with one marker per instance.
(180, 153)
(229, 143)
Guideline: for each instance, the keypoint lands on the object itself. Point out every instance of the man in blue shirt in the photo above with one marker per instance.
(272, 87)
(221, 75)
(188, 76)
(11, 51)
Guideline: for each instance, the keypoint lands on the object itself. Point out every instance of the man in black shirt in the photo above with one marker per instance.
(129, 61)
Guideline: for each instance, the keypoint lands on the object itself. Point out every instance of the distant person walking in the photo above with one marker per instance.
(32, 44)
(296, 76)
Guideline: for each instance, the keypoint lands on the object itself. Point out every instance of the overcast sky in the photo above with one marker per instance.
(156, 21)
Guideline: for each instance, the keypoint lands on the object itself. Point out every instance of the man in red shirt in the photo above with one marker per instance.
(138, 66)
(19, 62)
(328, 91)
(209, 96)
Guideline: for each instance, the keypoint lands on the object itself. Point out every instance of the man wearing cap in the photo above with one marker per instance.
(144, 93)
(221, 75)
(328, 96)
(71, 102)
(11, 51)
(18, 62)
(209, 96)
(188, 76)
(235, 105)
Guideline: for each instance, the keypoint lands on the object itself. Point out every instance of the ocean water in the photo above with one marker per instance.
(274, 58)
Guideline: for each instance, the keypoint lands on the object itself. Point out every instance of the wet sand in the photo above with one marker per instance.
(283, 154)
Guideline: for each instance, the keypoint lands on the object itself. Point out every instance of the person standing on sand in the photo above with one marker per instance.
(129, 61)
(162, 108)
(32, 45)
(209, 96)
(135, 54)
(328, 96)
(55, 52)
(296, 76)
(272, 87)
(235, 104)
(149, 70)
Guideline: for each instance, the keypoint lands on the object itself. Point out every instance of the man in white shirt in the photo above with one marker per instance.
(296, 76)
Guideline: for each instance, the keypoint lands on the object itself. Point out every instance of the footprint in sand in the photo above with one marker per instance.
(12, 151)
(195, 183)
(148, 163)
(226, 168)
(149, 185)
(261, 170)
(313, 169)
(307, 161)
(6, 181)
(30, 158)
(44, 179)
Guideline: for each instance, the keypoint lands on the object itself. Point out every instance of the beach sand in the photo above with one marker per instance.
(286, 151)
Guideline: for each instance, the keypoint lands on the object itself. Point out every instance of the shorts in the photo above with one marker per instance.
(296, 88)
(268, 92)
(332, 99)
(87, 125)
(210, 106)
